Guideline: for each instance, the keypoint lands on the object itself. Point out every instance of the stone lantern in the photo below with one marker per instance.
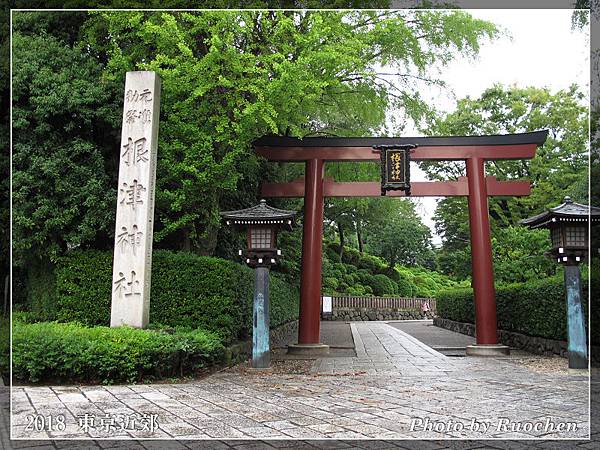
(569, 230)
(261, 222)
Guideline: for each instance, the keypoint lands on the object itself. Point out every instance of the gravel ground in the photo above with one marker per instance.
(539, 363)
(278, 366)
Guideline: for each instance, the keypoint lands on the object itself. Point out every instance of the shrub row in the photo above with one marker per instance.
(357, 273)
(59, 352)
(186, 290)
(535, 308)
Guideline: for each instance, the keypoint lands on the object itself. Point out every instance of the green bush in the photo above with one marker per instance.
(339, 268)
(61, 352)
(359, 268)
(351, 256)
(330, 284)
(358, 290)
(332, 254)
(535, 308)
(405, 287)
(41, 291)
(186, 290)
(351, 279)
(391, 273)
(382, 285)
(371, 263)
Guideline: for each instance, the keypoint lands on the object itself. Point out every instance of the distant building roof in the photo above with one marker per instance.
(568, 211)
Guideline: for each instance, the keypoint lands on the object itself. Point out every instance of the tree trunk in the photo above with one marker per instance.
(341, 232)
(208, 241)
(359, 237)
(187, 243)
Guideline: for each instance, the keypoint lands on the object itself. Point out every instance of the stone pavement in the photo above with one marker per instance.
(394, 388)
(436, 337)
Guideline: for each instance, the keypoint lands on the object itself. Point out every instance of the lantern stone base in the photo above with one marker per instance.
(487, 350)
(308, 349)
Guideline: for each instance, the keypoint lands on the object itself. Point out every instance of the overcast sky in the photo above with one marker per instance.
(543, 51)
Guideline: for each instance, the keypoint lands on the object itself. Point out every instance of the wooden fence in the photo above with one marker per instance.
(352, 302)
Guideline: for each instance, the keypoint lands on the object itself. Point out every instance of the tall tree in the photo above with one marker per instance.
(65, 125)
(559, 168)
(397, 234)
(230, 77)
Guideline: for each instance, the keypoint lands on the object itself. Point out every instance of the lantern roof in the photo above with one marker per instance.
(568, 211)
(261, 214)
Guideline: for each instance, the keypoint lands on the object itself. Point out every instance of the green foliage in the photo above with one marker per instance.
(457, 304)
(41, 291)
(382, 285)
(228, 77)
(405, 287)
(454, 262)
(357, 275)
(398, 235)
(65, 118)
(519, 254)
(558, 169)
(186, 290)
(536, 308)
(70, 352)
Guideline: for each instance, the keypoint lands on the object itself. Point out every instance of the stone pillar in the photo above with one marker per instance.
(577, 345)
(135, 201)
(261, 349)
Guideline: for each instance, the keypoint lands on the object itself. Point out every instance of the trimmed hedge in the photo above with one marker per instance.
(187, 290)
(535, 308)
(53, 351)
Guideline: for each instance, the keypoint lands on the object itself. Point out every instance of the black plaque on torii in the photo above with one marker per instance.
(395, 167)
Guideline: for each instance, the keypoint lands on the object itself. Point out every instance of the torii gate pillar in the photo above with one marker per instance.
(312, 256)
(482, 265)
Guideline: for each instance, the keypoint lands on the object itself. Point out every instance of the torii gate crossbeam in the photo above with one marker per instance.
(474, 150)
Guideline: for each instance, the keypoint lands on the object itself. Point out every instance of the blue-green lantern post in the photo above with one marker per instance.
(262, 223)
(568, 224)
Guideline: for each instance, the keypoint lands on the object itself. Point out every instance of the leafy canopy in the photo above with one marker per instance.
(232, 76)
(63, 193)
(559, 168)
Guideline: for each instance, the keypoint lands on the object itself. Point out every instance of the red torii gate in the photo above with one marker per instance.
(474, 150)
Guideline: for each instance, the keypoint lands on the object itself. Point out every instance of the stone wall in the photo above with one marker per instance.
(532, 344)
(280, 336)
(359, 314)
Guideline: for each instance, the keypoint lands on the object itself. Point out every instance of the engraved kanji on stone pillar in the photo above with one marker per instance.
(132, 264)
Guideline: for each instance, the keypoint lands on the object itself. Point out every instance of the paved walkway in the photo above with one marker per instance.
(436, 337)
(394, 388)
